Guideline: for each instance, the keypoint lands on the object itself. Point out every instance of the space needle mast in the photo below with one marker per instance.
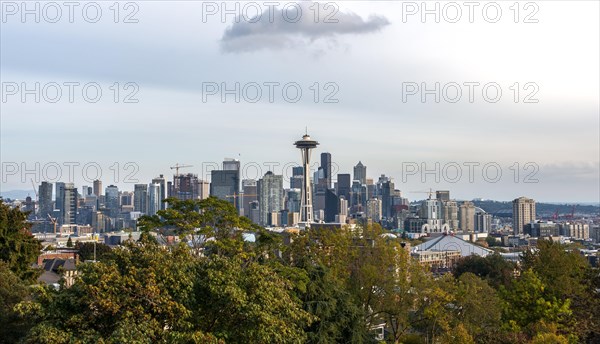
(305, 145)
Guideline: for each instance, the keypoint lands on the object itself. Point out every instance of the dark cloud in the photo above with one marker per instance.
(292, 28)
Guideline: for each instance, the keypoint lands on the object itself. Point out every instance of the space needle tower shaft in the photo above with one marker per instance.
(306, 210)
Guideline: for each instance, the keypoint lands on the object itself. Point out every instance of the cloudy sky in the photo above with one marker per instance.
(362, 76)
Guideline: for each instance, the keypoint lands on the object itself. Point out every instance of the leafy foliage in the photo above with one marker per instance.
(18, 247)
(324, 286)
(86, 251)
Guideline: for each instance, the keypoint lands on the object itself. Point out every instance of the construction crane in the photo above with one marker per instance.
(236, 195)
(571, 216)
(178, 166)
(54, 222)
(555, 215)
(37, 197)
(430, 192)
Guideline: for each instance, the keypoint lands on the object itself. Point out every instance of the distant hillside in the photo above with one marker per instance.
(542, 209)
(504, 208)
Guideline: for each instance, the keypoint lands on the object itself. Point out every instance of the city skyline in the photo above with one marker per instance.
(370, 122)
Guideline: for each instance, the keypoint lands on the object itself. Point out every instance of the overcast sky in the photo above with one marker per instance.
(364, 58)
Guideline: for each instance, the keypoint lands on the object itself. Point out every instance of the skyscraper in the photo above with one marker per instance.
(270, 196)
(233, 165)
(523, 213)
(374, 209)
(112, 200)
(306, 145)
(69, 201)
(360, 173)
(45, 200)
(326, 167)
(97, 188)
(162, 192)
(332, 205)
(293, 200)
(140, 198)
(250, 194)
(224, 185)
(344, 183)
(387, 194)
(297, 177)
(154, 198)
(59, 195)
(186, 186)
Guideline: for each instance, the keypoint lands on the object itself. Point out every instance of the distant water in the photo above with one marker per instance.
(17, 194)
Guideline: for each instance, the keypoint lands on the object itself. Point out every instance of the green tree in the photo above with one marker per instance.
(18, 247)
(139, 294)
(195, 221)
(69, 242)
(528, 302)
(247, 302)
(86, 250)
(568, 276)
(493, 268)
(477, 307)
(12, 292)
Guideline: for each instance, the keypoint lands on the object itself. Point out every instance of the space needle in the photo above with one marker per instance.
(305, 145)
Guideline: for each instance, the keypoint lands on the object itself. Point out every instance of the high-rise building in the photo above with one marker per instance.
(98, 222)
(466, 216)
(387, 194)
(59, 195)
(233, 165)
(343, 206)
(297, 177)
(344, 184)
(126, 201)
(270, 196)
(97, 188)
(360, 173)
(332, 205)
(358, 200)
(112, 203)
(162, 192)
(186, 186)
(45, 200)
(374, 209)
(293, 200)
(224, 185)
(250, 194)
(483, 222)
(140, 198)
(431, 209)
(69, 201)
(326, 167)
(154, 200)
(204, 187)
(306, 145)
(523, 213)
